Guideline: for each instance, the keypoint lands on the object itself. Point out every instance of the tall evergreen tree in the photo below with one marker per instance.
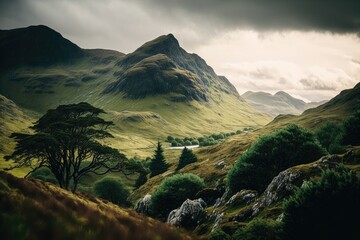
(158, 164)
(187, 157)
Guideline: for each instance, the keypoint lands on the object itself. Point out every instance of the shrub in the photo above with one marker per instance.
(195, 142)
(271, 154)
(330, 135)
(141, 180)
(174, 143)
(239, 131)
(172, 192)
(258, 230)
(219, 235)
(325, 208)
(113, 190)
(187, 143)
(352, 129)
(170, 138)
(187, 157)
(44, 174)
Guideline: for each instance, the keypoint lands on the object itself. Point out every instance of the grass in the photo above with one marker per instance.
(31, 209)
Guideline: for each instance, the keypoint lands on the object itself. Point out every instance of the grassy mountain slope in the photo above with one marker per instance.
(159, 78)
(338, 108)
(12, 119)
(32, 209)
(279, 103)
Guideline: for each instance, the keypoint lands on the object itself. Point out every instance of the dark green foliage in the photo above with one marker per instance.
(258, 230)
(158, 164)
(44, 174)
(113, 190)
(272, 154)
(324, 209)
(219, 235)
(174, 143)
(194, 142)
(170, 138)
(352, 129)
(330, 136)
(187, 157)
(141, 180)
(187, 143)
(65, 140)
(172, 192)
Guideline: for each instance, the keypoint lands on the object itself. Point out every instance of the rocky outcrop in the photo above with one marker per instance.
(188, 215)
(242, 197)
(142, 206)
(284, 184)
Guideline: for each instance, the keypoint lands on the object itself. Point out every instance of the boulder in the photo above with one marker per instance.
(142, 206)
(188, 216)
(243, 197)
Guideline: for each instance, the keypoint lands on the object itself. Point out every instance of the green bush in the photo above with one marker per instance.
(270, 155)
(170, 138)
(219, 235)
(259, 230)
(141, 180)
(325, 208)
(187, 143)
(194, 142)
(174, 143)
(187, 157)
(113, 190)
(352, 129)
(330, 135)
(44, 174)
(172, 192)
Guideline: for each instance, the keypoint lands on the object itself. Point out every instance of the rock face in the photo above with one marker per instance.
(242, 197)
(286, 181)
(142, 206)
(188, 215)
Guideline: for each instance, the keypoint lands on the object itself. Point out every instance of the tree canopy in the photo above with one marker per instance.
(65, 140)
(270, 155)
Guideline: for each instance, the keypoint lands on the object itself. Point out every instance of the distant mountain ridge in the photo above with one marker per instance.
(279, 103)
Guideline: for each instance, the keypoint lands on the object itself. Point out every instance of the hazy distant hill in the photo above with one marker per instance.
(167, 90)
(279, 103)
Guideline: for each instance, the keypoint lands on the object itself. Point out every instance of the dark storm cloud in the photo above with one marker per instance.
(339, 16)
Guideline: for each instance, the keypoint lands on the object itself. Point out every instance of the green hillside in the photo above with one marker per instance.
(181, 92)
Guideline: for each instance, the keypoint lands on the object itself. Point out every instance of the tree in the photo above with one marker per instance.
(113, 190)
(270, 155)
(158, 164)
(330, 135)
(325, 208)
(352, 129)
(172, 192)
(65, 140)
(187, 157)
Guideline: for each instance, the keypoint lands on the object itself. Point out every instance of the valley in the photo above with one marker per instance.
(136, 118)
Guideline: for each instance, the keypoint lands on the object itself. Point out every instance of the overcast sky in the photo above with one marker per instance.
(309, 48)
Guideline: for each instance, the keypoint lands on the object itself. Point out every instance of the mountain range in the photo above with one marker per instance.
(278, 103)
(158, 86)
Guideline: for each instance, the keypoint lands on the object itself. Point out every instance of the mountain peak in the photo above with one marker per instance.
(35, 45)
(163, 44)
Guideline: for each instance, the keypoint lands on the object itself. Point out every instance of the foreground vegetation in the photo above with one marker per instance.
(32, 209)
